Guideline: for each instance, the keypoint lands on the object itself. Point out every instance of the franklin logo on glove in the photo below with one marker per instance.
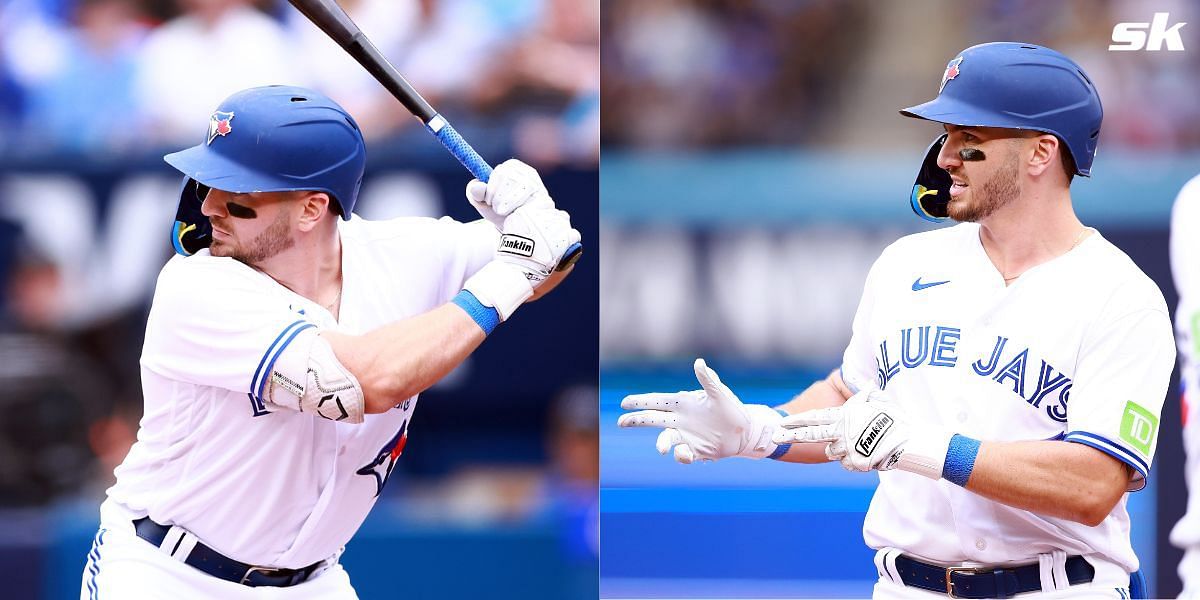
(871, 436)
(515, 244)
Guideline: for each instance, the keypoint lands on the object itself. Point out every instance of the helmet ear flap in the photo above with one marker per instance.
(931, 192)
(192, 232)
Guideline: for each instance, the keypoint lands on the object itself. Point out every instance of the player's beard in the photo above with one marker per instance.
(998, 191)
(271, 241)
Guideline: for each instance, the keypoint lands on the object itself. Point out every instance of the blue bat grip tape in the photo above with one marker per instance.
(479, 167)
(960, 459)
(462, 151)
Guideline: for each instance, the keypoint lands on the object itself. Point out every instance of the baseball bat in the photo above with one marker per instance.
(333, 20)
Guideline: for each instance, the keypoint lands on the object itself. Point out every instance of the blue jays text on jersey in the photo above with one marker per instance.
(1010, 365)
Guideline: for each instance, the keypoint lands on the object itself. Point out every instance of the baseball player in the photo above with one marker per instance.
(1184, 261)
(284, 356)
(998, 477)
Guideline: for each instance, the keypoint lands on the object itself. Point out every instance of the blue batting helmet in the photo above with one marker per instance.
(268, 139)
(1016, 86)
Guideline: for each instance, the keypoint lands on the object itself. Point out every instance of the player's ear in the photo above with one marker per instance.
(313, 207)
(1044, 154)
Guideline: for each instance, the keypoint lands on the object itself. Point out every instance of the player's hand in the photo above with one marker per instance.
(706, 424)
(534, 239)
(867, 433)
(513, 184)
(875, 429)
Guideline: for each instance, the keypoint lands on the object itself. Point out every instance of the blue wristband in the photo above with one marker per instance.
(485, 316)
(960, 459)
(781, 449)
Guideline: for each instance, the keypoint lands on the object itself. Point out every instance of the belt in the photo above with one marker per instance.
(984, 582)
(220, 566)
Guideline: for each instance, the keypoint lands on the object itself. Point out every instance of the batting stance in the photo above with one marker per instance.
(1004, 375)
(284, 356)
(1185, 258)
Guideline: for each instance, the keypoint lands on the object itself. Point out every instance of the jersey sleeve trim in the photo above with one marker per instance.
(1116, 451)
(262, 373)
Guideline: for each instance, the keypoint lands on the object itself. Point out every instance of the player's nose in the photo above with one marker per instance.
(948, 157)
(212, 206)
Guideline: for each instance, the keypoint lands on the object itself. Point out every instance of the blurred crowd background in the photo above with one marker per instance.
(98, 77)
(687, 74)
(754, 167)
(94, 92)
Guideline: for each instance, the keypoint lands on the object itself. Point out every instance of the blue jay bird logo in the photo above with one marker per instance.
(385, 461)
(952, 71)
(220, 123)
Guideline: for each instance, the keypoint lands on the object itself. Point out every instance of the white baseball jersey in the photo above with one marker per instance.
(1185, 267)
(1078, 348)
(259, 483)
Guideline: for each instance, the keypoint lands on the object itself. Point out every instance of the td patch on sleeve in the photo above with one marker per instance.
(1138, 427)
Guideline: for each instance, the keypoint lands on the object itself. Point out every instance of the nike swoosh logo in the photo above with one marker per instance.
(918, 286)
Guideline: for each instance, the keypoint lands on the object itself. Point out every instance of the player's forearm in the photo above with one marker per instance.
(822, 394)
(1051, 478)
(404, 358)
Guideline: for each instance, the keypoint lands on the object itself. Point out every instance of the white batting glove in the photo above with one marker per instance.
(513, 184)
(533, 240)
(870, 433)
(706, 424)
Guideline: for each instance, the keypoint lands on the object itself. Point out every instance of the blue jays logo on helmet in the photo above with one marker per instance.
(952, 71)
(220, 123)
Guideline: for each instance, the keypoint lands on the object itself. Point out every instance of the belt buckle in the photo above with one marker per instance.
(262, 570)
(951, 570)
